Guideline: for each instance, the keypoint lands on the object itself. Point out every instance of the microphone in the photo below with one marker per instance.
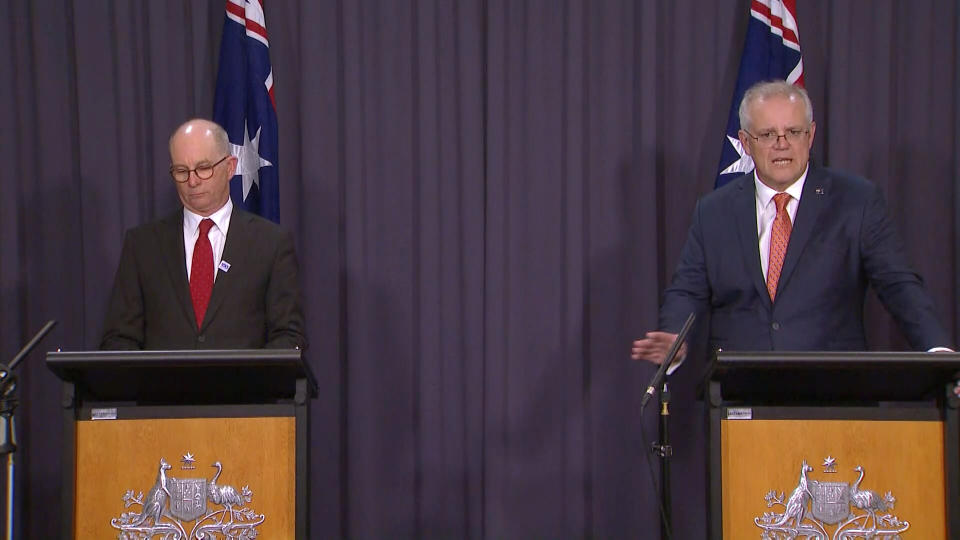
(8, 382)
(667, 360)
(31, 344)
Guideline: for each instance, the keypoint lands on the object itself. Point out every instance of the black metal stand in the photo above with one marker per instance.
(8, 402)
(664, 451)
(662, 448)
(8, 442)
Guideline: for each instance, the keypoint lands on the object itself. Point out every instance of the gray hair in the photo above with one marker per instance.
(220, 137)
(769, 89)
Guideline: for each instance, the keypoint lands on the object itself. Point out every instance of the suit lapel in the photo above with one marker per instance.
(174, 257)
(232, 253)
(816, 190)
(745, 208)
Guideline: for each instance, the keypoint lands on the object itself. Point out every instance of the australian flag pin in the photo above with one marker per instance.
(225, 266)
(819, 191)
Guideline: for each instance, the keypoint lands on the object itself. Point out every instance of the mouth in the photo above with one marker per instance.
(781, 162)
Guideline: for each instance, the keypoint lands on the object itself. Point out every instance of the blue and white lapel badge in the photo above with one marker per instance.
(224, 266)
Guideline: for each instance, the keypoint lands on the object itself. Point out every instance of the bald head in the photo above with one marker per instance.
(200, 128)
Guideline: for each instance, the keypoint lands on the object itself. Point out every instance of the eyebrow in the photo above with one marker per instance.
(788, 128)
(199, 164)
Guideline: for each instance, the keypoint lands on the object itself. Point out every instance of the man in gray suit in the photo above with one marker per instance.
(208, 276)
(780, 258)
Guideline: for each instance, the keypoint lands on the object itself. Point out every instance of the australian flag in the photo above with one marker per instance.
(244, 105)
(771, 51)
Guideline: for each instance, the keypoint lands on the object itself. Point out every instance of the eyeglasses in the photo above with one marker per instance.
(203, 171)
(771, 138)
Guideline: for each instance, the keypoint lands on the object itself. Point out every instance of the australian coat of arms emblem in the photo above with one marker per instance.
(216, 511)
(830, 510)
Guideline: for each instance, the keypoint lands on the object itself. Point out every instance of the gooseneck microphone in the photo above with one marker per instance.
(667, 360)
(31, 344)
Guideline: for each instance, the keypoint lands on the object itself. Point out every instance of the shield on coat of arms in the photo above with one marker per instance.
(831, 501)
(188, 498)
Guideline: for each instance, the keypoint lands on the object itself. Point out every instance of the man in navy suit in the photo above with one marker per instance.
(242, 293)
(834, 239)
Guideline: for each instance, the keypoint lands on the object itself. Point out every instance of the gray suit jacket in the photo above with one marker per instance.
(255, 304)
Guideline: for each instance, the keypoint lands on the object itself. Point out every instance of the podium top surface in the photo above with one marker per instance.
(155, 375)
(824, 376)
(941, 361)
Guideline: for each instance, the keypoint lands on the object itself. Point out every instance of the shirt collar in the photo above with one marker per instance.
(765, 193)
(221, 217)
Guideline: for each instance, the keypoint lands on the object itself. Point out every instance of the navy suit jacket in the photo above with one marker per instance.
(842, 240)
(255, 304)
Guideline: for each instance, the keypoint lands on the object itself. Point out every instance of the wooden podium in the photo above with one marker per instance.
(834, 445)
(188, 444)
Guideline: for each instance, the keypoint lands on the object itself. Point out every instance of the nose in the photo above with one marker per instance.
(781, 141)
(192, 179)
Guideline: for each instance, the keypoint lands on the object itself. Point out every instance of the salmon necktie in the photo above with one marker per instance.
(779, 238)
(201, 272)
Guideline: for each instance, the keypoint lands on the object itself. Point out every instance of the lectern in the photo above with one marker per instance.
(185, 444)
(834, 445)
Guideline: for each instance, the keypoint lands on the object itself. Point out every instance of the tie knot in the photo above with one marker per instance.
(205, 226)
(781, 200)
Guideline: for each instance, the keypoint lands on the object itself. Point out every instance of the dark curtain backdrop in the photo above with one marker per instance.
(488, 197)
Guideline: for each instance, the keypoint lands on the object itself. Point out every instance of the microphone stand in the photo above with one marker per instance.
(8, 403)
(664, 451)
(662, 448)
(8, 443)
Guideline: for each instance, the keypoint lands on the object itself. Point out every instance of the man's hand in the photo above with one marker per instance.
(654, 347)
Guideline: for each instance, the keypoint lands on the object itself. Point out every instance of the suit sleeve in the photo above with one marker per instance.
(123, 328)
(897, 285)
(689, 290)
(284, 305)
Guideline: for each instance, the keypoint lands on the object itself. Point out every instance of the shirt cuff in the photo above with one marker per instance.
(675, 365)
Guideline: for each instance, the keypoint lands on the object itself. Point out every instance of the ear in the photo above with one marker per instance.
(745, 141)
(232, 165)
(813, 130)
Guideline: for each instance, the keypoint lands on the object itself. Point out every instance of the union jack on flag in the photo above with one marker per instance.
(244, 105)
(771, 51)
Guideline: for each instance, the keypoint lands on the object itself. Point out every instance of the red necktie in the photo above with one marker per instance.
(201, 272)
(779, 238)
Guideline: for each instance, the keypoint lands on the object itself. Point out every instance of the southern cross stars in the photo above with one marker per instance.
(742, 165)
(249, 160)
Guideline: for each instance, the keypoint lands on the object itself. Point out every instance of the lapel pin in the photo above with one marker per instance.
(819, 191)
(225, 266)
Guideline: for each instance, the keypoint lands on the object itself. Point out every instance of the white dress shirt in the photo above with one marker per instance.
(767, 211)
(217, 234)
